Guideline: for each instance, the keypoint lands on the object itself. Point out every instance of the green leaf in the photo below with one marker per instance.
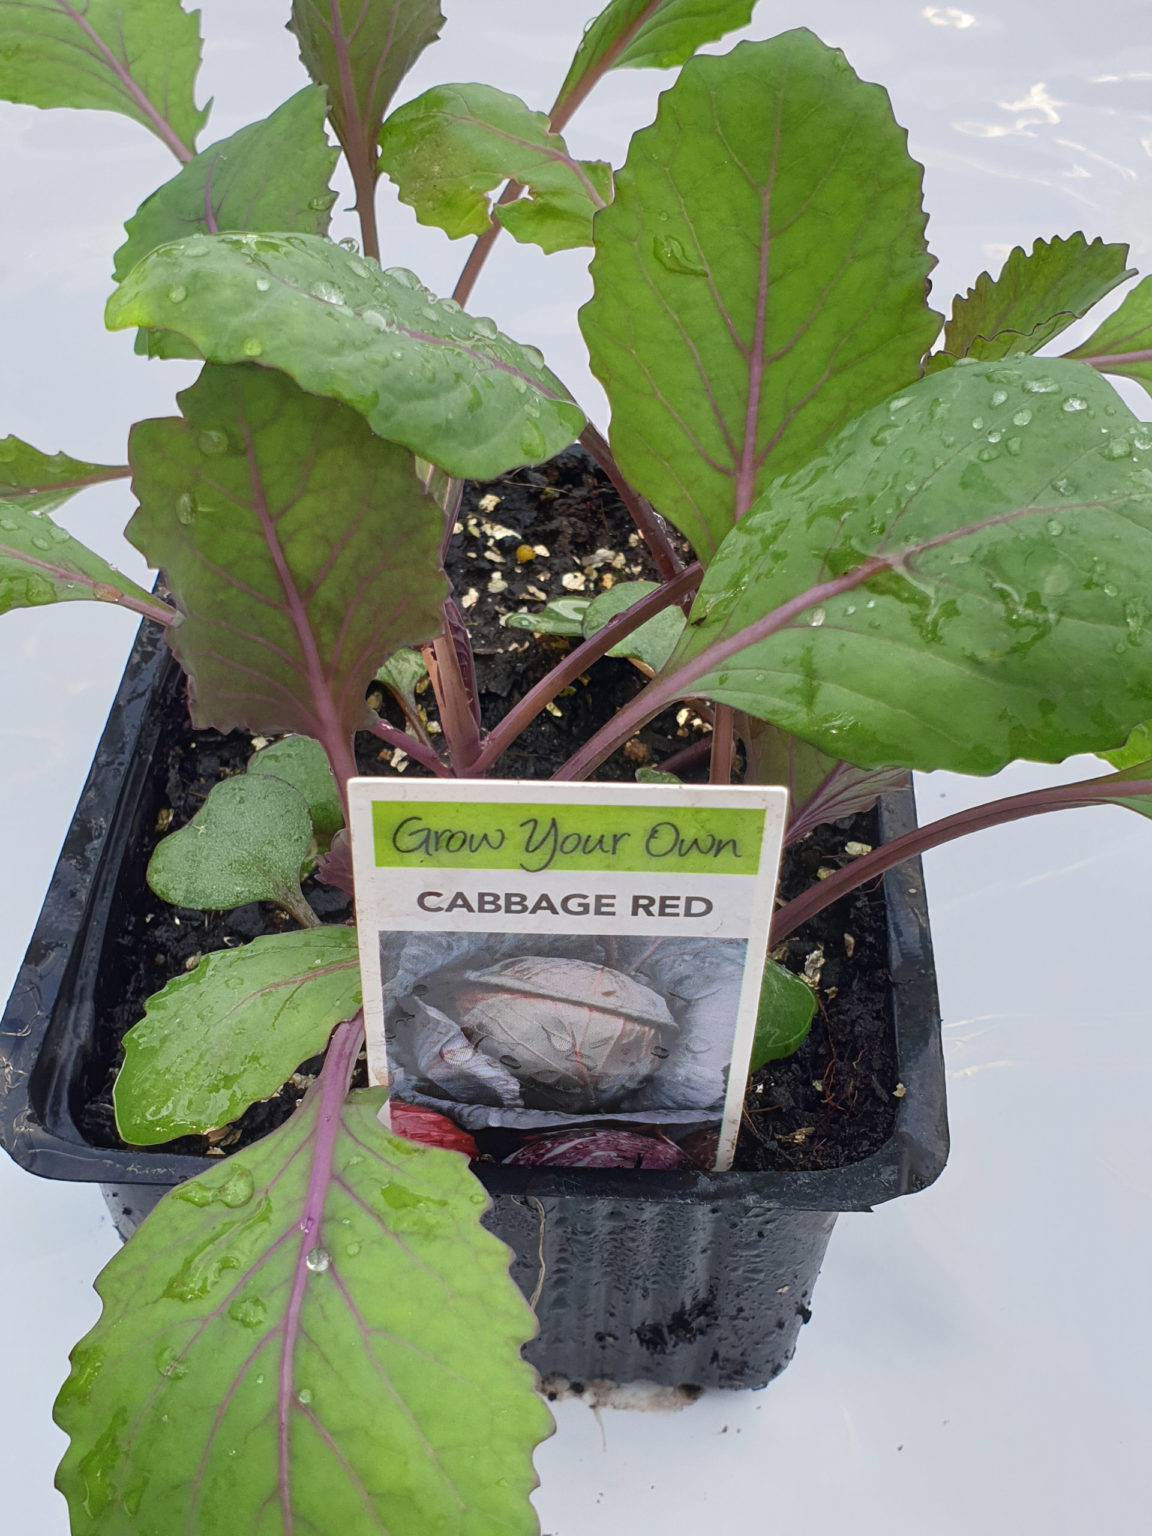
(272, 175)
(40, 481)
(562, 616)
(1136, 751)
(654, 641)
(361, 50)
(40, 562)
(961, 579)
(787, 1008)
(1123, 344)
(1035, 297)
(1141, 803)
(233, 1031)
(421, 371)
(402, 674)
(650, 34)
(303, 763)
(450, 147)
(300, 546)
(245, 843)
(656, 776)
(137, 57)
(316, 1335)
(759, 278)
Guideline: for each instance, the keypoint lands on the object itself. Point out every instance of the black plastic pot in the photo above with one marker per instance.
(673, 1278)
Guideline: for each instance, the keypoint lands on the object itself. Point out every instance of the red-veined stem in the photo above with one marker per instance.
(562, 109)
(525, 711)
(359, 147)
(663, 691)
(112, 472)
(993, 814)
(687, 757)
(1112, 362)
(159, 124)
(723, 745)
(415, 749)
(331, 1087)
(455, 701)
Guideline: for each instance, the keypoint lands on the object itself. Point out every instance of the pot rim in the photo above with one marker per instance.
(50, 1014)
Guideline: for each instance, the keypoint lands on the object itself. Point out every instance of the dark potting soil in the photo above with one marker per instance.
(529, 537)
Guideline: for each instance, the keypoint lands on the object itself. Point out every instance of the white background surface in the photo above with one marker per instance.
(979, 1357)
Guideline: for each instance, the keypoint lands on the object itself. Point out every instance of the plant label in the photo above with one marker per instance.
(569, 973)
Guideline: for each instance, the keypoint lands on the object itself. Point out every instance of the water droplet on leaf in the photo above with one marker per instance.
(318, 1260)
(327, 293)
(170, 1363)
(237, 1188)
(252, 347)
(671, 253)
(248, 1311)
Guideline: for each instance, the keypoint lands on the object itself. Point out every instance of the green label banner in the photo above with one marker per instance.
(460, 835)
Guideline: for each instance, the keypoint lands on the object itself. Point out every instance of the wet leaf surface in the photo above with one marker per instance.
(302, 762)
(316, 1335)
(760, 277)
(957, 564)
(271, 175)
(420, 370)
(246, 843)
(233, 1031)
(40, 562)
(301, 547)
